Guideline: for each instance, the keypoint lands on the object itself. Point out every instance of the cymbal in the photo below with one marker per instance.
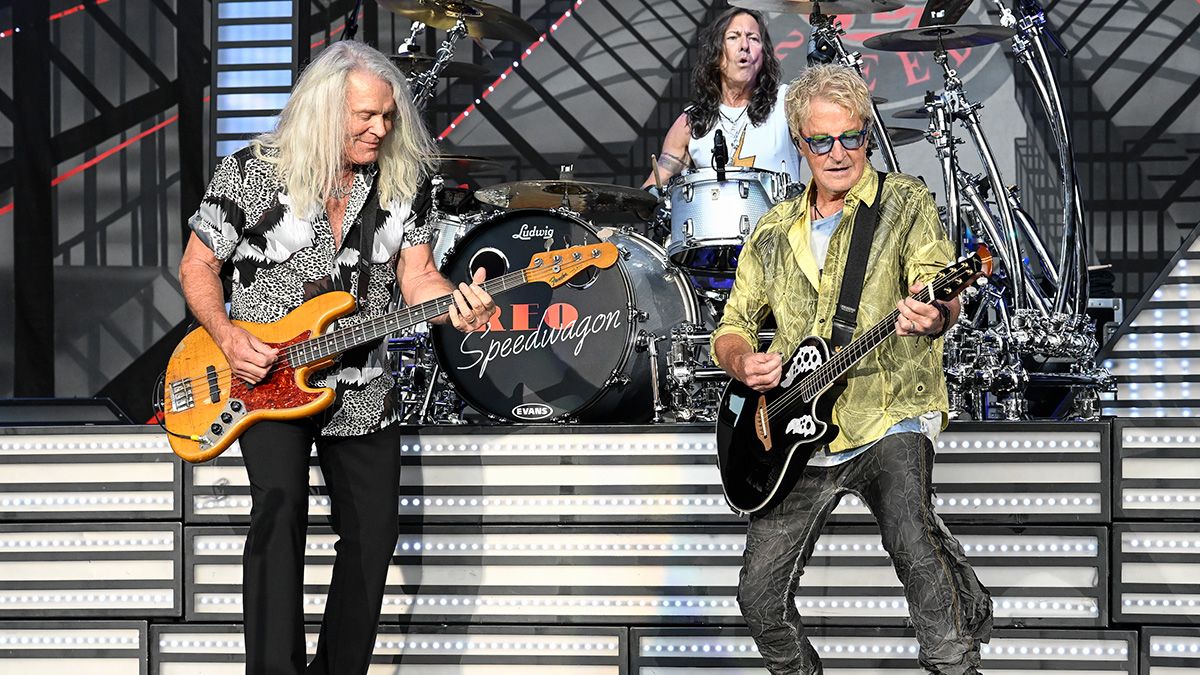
(462, 166)
(417, 63)
(826, 7)
(905, 135)
(483, 20)
(933, 38)
(579, 196)
(918, 114)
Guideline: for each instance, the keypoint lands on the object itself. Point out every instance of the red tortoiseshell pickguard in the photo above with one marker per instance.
(278, 391)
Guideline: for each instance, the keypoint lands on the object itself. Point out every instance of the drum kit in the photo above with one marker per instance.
(630, 344)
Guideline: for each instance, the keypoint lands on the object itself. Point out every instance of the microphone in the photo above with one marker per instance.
(720, 154)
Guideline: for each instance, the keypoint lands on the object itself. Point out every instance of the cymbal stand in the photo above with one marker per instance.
(964, 111)
(1030, 51)
(424, 84)
(829, 30)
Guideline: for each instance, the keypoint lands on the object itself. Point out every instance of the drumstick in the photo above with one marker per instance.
(657, 179)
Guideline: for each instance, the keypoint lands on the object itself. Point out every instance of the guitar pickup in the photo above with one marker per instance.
(233, 411)
(214, 387)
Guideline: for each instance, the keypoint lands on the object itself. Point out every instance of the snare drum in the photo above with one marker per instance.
(569, 352)
(711, 218)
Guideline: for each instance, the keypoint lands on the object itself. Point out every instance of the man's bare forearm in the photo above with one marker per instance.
(204, 295)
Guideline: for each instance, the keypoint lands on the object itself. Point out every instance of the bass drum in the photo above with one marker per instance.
(569, 352)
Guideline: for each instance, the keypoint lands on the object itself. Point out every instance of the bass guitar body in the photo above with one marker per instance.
(207, 408)
(761, 454)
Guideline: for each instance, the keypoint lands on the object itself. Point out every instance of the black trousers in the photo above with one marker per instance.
(362, 474)
(950, 610)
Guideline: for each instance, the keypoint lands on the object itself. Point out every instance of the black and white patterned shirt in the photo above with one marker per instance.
(280, 260)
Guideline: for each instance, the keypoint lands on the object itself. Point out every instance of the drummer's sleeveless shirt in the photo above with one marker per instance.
(767, 147)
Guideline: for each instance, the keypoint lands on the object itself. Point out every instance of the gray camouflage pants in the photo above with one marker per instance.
(950, 610)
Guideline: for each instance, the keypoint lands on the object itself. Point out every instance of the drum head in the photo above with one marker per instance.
(549, 353)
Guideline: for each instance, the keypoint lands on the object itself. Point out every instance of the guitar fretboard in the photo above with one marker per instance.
(338, 341)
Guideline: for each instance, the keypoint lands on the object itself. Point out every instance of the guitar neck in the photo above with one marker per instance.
(843, 360)
(338, 341)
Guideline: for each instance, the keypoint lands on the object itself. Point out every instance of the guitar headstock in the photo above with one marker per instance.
(558, 267)
(958, 275)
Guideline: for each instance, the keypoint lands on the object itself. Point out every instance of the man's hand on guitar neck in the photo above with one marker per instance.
(250, 359)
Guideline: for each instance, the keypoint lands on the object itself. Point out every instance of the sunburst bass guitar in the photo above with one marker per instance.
(764, 440)
(205, 408)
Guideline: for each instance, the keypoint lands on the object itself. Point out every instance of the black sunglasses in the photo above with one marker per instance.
(823, 144)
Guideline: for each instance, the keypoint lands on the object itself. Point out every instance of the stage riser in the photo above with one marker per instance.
(1157, 470)
(611, 536)
(104, 474)
(666, 575)
(57, 647)
(1170, 651)
(995, 472)
(91, 570)
(120, 648)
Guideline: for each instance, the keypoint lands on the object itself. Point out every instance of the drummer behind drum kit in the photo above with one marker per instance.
(630, 344)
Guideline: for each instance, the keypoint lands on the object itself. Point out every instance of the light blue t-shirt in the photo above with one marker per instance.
(822, 230)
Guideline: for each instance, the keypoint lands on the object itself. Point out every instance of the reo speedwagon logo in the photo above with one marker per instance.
(529, 329)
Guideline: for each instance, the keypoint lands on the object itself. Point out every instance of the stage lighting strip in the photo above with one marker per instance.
(508, 71)
(1032, 546)
(428, 643)
(1014, 607)
(71, 444)
(884, 647)
(1175, 646)
(1167, 465)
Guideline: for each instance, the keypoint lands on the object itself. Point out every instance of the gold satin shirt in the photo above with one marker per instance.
(777, 274)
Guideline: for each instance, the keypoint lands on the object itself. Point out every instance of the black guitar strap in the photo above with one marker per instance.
(366, 239)
(845, 319)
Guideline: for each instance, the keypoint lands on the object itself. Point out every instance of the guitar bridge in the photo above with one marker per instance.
(762, 425)
(182, 397)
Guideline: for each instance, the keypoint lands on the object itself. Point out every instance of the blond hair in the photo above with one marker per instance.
(310, 142)
(836, 84)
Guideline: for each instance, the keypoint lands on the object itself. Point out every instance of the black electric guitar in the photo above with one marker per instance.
(764, 440)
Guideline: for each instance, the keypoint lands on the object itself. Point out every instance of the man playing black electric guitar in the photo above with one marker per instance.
(894, 398)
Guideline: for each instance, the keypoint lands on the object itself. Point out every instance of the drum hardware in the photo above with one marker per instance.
(580, 197)
(918, 114)
(827, 6)
(1030, 51)
(479, 19)
(414, 63)
(942, 12)
(828, 29)
(904, 135)
(1034, 313)
(939, 38)
(460, 18)
(649, 343)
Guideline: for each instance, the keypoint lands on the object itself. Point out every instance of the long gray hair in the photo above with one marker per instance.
(310, 141)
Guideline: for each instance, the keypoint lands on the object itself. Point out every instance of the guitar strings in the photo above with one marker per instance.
(812, 385)
(195, 384)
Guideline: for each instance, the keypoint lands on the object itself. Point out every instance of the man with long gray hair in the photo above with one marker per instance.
(328, 201)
